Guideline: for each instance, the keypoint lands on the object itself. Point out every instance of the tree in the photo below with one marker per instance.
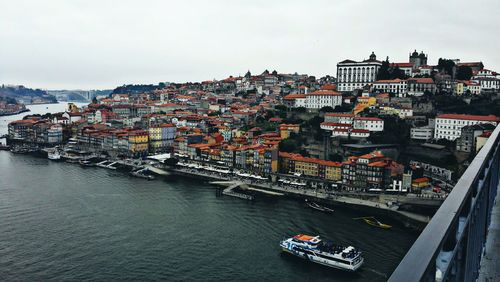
(383, 71)
(216, 113)
(397, 73)
(280, 108)
(446, 65)
(260, 119)
(326, 109)
(299, 109)
(288, 145)
(464, 73)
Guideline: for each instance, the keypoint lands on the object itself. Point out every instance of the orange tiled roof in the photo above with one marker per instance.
(469, 117)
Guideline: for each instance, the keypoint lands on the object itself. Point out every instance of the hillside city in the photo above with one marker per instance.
(374, 127)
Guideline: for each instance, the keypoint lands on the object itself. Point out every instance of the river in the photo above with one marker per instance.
(60, 221)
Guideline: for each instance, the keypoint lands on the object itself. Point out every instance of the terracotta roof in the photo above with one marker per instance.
(294, 96)
(336, 124)
(368, 118)
(324, 93)
(372, 155)
(423, 80)
(397, 80)
(402, 65)
(339, 115)
(469, 117)
(328, 87)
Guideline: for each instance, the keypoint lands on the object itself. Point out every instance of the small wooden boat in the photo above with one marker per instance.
(315, 206)
(374, 222)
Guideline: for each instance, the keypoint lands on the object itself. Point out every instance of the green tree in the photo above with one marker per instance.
(280, 108)
(383, 71)
(326, 109)
(288, 145)
(464, 73)
(446, 65)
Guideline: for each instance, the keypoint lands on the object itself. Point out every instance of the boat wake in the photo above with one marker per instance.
(376, 272)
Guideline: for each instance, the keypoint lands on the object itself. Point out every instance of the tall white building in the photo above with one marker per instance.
(449, 126)
(352, 75)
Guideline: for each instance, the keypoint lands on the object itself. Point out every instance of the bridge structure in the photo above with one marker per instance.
(461, 242)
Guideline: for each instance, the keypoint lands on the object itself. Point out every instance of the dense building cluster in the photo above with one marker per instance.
(287, 124)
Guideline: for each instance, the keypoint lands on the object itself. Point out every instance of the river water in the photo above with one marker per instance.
(60, 221)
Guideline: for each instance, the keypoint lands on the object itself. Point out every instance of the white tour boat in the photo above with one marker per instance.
(323, 252)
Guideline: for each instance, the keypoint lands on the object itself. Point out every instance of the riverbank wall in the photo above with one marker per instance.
(409, 220)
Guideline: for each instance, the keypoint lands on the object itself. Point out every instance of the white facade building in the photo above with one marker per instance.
(352, 75)
(449, 126)
(323, 98)
(396, 86)
(422, 133)
(348, 125)
(369, 123)
(295, 100)
(339, 118)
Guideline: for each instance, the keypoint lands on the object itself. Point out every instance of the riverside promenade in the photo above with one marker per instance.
(319, 194)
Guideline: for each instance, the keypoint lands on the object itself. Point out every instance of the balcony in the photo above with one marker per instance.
(460, 243)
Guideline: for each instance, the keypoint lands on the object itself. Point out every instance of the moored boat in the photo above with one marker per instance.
(141, 174)
(323, 252)
(54, 155)
(4, 147)
(374, 222)
(318, 207)
(86, 163)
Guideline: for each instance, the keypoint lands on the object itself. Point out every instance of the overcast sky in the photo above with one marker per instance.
(69, 44)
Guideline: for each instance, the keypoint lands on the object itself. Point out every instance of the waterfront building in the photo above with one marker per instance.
(352, 75)
(138, 142)
(21, 129)
(40, 132)
(449, 126)
(296, 164)
(369, 171)
(55, 134)
(161, 137)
